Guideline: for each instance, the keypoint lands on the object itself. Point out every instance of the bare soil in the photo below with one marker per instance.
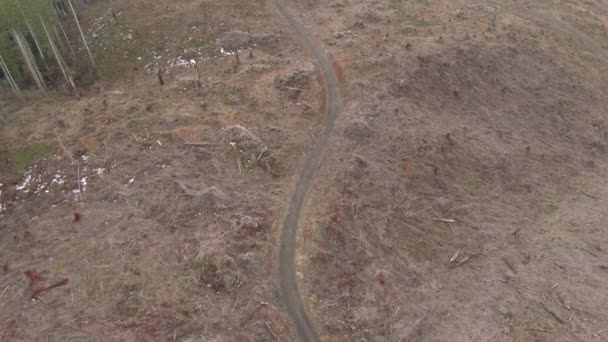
(462, 195)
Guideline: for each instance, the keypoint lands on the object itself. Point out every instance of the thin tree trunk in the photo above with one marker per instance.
(29, 27)
(84, 40)
(54, 49)
(58, 39)
(30, 53)
(38, 47)
(9, 77)
(31, 64)
(59, 60)
(65, 36)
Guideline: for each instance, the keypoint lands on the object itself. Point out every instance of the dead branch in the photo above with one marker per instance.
(39, 291)
(552, 313)
(509, 264)
(199, 143)
(272, 331)
(79, 189)
(244, 130)
(444, 220)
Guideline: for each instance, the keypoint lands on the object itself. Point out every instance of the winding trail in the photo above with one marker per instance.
(288, 282)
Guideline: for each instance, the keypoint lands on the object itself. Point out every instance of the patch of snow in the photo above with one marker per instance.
(26, 182)
(226, 52)
(100, 171)
(40, 187)
(58, 179)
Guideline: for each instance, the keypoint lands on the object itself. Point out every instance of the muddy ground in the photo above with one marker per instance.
(462, 196)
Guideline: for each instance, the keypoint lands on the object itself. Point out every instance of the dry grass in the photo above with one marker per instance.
(455, 142)
(174, 240)
(464, 180)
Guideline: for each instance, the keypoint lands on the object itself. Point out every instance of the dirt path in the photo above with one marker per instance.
(556, 23)
(290, 294)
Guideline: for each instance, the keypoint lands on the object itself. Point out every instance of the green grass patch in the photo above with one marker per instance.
(21, 158)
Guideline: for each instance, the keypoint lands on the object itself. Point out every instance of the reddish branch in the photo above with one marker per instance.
(39, 291)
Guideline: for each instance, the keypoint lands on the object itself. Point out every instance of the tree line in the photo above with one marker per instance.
(35, 50)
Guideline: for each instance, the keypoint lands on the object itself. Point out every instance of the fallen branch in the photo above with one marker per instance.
(552, 313)
(444, 220)
(588, 194)
(509, 264)
(244, 130)
(458, 260)
(79, 189)
(201, 143)
(272, 331)
(538, 330)
(41, 290)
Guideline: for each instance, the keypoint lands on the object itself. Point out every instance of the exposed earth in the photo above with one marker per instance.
(421, 170)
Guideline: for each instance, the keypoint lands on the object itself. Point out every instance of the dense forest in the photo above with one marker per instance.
(36, 48)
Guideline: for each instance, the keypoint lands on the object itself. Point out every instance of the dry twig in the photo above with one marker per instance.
(272, 331)
(444, 220)
(509, 264)
(552, 313)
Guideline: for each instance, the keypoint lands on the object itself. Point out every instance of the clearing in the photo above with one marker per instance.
(460, 196)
